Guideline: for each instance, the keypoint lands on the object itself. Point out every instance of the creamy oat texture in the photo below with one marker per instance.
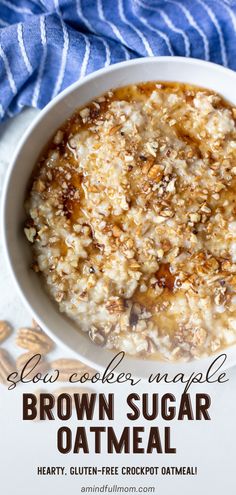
(132, 217)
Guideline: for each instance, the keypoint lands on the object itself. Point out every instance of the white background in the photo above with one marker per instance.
(209, 445)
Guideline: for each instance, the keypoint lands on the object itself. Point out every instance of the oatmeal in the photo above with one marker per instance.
(132, 219)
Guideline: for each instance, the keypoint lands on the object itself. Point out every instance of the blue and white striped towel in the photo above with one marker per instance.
(45, 45)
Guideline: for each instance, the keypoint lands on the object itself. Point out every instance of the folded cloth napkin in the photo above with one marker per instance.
(45, 45)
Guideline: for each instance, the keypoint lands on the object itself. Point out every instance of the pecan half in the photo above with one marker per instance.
(7, 365)
(68, 367)
(115, 305)
(5, 330)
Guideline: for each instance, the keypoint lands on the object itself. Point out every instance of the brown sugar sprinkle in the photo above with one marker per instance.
(133, 203)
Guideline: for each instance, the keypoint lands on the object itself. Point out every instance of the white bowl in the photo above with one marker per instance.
(61, 329)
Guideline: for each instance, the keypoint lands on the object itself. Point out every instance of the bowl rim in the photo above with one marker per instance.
(205, 362)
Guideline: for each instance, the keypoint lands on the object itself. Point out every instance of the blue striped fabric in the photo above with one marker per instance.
(45, 45)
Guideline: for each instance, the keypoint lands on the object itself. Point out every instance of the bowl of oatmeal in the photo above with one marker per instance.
(120, 215)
